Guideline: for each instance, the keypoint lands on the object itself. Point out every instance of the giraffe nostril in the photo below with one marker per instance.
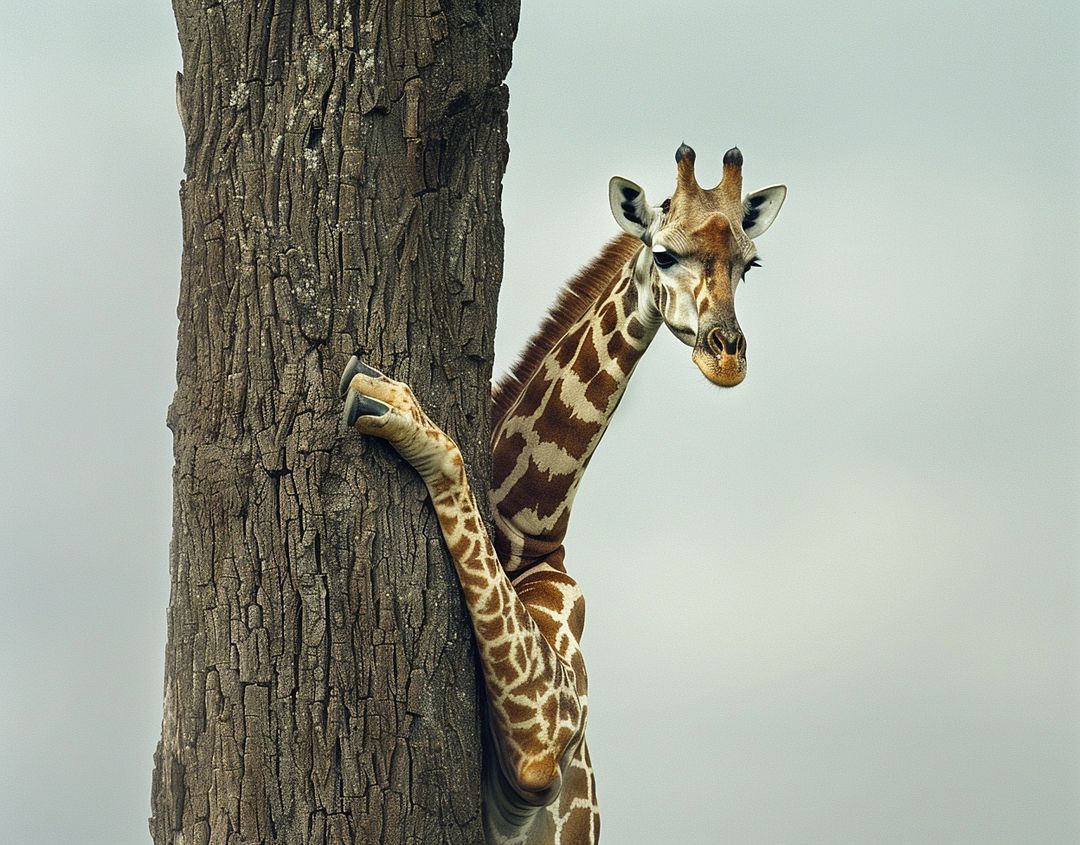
(716, 343)
(726, 342)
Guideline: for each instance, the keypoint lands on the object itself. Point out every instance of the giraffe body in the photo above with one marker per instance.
(676, 264)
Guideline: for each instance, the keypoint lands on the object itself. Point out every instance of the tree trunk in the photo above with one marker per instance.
(343, 177)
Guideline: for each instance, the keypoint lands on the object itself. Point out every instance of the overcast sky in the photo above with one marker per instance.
(839, 603)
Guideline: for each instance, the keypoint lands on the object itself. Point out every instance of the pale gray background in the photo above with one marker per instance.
(837, 604)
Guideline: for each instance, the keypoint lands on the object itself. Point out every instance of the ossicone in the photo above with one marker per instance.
(685, 151)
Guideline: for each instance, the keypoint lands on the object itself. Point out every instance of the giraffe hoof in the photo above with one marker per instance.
(355, 366)
(347, 376)
(358, 405)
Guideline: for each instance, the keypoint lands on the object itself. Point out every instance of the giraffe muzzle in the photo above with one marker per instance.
(722, 356)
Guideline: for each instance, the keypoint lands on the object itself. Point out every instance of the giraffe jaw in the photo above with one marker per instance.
(724, 370)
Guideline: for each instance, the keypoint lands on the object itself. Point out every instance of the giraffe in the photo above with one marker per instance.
(676, 264)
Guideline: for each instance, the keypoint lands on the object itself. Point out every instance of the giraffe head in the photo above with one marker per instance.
(699, 245)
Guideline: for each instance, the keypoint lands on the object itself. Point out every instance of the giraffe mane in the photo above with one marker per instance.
(573, 300)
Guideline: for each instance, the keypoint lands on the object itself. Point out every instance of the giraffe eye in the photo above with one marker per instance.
(664, 259)
(754, 262)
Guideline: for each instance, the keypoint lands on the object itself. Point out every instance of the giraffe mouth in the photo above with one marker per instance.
(725, 370)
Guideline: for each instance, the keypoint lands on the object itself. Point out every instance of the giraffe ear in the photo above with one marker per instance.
(628, 205)
(760, 209)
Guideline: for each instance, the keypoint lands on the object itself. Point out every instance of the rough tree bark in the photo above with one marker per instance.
(343, 176)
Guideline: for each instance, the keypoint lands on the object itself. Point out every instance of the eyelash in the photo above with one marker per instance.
(754, 262)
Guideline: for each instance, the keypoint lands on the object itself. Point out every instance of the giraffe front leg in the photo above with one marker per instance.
(535, 690)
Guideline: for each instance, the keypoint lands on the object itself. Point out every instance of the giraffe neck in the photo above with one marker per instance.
(552, 411)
